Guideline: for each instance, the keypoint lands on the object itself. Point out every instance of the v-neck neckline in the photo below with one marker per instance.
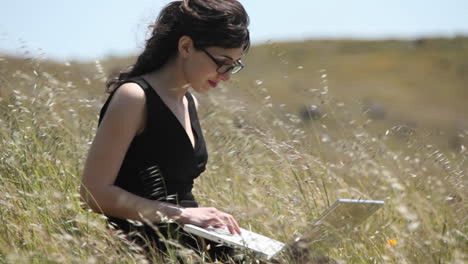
(195, 145)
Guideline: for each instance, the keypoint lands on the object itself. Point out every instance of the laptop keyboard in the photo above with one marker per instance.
(254, 241)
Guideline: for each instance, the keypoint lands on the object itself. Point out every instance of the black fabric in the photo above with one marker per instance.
(160, 164)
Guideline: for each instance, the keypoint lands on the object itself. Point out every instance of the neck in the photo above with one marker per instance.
(169, 81)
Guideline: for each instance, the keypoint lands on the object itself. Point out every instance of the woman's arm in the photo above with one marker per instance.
(124, 118)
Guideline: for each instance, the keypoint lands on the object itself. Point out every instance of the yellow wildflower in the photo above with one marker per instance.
(392, 242)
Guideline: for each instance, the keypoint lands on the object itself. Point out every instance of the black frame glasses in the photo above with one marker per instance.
(235, 67)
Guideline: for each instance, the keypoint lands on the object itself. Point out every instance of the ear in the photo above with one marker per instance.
(185, 46)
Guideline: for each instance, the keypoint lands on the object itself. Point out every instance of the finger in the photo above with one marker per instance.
(213, 222)
(219, 225)
(217, 222)
(228, 224)
(232, 224)
(236, 226)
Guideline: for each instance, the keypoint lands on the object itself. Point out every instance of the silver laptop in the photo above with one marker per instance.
(341, 216)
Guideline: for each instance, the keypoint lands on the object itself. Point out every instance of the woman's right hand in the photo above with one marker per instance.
(208, 216)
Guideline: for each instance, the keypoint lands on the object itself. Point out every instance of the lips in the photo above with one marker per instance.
(213, 84)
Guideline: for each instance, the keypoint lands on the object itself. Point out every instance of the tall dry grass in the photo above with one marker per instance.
(267, 167)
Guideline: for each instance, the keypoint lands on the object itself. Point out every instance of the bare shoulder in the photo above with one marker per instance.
(129, 98)
(130, 93)
(120, 124)
(127, 107)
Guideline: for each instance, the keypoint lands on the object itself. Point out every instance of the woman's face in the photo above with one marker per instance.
(201, 68)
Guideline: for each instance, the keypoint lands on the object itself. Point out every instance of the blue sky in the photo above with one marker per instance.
(88, 29)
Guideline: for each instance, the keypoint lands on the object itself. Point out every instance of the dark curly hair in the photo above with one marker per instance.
(221, 23)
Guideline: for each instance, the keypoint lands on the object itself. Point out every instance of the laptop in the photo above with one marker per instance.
(343, 215)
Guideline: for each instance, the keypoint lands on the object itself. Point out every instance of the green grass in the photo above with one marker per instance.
(267, 167)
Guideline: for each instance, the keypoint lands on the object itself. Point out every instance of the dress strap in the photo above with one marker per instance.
(190, 100)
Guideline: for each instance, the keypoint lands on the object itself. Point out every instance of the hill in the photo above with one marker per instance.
(305, 124)
(419, 83)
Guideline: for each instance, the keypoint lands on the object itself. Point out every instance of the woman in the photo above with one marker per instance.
(149, 146)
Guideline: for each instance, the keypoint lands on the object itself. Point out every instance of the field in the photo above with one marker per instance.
(305, 124)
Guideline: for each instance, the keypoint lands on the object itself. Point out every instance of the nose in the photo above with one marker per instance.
(225, 76)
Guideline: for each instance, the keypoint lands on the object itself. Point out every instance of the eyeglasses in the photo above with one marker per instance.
(234, 68)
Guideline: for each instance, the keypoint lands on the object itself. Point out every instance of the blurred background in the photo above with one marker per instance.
(398, 62)
(340, 99)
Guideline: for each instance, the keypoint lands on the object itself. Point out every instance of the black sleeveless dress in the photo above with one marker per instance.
(161, 163)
